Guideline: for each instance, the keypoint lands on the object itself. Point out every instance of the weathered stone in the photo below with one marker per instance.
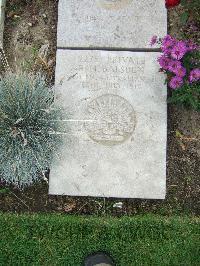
(2, 17)
(110, 23)
(116, 122)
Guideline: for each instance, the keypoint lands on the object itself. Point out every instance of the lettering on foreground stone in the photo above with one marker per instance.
(116, 124)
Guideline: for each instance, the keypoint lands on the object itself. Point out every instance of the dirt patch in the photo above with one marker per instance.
(30, 44)
(181, 28)
(30, 36)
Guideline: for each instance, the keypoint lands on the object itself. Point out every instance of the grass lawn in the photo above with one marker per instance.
(66, 240)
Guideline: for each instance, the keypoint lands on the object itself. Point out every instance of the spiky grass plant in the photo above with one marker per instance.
(28, 123)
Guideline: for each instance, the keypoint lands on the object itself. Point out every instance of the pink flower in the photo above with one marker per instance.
(176, 82)
(168, 39)
(153, 40)
(164, 62)
(194, 75)
(174, 65)
(179, 50)
(167, 44)
(180, 72)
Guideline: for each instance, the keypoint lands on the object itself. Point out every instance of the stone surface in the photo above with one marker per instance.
(110, 23)
(115, 125)
(2, 17)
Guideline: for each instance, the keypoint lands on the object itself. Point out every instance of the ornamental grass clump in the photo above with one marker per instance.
(28, 126)
(180, 60)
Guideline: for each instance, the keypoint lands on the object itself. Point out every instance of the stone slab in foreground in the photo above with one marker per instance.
(116, 124)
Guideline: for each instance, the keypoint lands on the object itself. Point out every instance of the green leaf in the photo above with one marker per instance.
(184, 18)
(4, 191)
(183, 2)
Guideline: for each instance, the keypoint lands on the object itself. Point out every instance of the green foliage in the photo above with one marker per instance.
(184, 17)
(192, 60)
(188, 95)
(4, 191)
(28, 121)
(66, 240)
(190, 6)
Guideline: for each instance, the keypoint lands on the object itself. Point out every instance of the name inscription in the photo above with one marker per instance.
(109, 72)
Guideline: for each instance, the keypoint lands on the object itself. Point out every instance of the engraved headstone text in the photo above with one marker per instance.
(114, 4)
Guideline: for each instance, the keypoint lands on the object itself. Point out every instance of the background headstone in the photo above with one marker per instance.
(110, 23)
(115, 139)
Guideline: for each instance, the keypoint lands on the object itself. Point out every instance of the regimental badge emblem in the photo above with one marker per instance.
(110, 120)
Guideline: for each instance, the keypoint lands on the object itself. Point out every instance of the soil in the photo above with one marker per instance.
(30, 35)
(30, 45)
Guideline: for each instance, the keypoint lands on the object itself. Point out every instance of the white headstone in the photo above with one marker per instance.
(116, 124)
(110, 23)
